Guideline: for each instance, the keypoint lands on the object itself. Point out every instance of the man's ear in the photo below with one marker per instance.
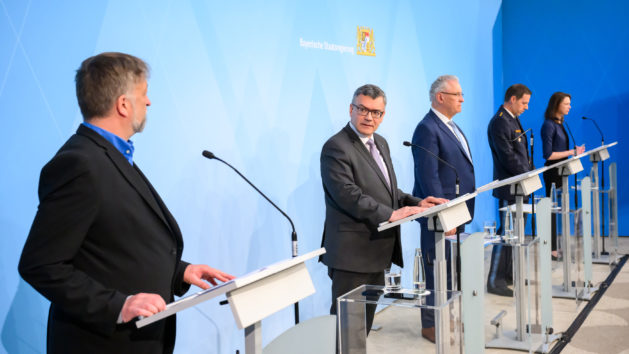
(123, 105)
(439, 97)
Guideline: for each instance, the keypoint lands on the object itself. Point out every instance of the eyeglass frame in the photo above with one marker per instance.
(457, 94)
(374, 112)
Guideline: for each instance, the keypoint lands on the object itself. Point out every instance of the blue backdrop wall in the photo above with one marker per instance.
(262, 85)
(579, 48)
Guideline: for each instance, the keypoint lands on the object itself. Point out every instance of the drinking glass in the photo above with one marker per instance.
(392, 279)
(490, 228)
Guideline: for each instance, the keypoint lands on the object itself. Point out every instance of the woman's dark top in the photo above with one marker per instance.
(554, 139)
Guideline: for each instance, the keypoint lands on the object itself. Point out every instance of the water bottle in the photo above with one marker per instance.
(419, 275)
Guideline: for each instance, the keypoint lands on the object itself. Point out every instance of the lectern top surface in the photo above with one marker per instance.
(595, 150)
(428, 212)
(243, 280)
(511, 180)
(585, 153)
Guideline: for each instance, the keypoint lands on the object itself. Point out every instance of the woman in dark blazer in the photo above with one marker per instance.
(556, 147)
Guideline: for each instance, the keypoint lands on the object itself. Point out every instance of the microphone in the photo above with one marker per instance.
(211, 156)
(458, 234)
(597, 127)
(524, 132)
(531, 162)
(602, 185)
(408, 143)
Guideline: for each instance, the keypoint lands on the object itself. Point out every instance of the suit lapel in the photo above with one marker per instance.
(451, 135)
(167, 217)
(136, 181)
(469, 158)
(127, 171)
(362, 150)
(507, 115)
(386, 156)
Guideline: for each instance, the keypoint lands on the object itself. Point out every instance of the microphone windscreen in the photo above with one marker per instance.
(208, 154)
(406, 143)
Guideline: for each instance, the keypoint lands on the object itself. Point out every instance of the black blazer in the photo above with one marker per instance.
(101, 233)
(357, 200)
(510, 155)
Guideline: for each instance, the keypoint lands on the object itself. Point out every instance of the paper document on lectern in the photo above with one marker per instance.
(428, 212)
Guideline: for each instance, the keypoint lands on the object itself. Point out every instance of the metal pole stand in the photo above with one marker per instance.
(567, 288)
(526, 337)
(442, 320)
(612, 199)
(588, 288)
(599, 257)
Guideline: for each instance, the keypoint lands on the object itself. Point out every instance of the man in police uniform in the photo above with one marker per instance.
(509, 150)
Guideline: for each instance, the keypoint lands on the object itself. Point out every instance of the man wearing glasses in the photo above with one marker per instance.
(438, 134)
(360, 193)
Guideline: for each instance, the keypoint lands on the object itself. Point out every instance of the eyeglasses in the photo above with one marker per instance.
(457, 94)
(362, 111)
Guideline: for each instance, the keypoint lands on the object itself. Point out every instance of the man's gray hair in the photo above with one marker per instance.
(101, 79)
(440, 84)
(370, 90)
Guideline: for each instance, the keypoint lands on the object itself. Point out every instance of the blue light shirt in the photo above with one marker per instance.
(125, 147)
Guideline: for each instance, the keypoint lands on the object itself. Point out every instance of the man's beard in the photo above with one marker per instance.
(138, 127)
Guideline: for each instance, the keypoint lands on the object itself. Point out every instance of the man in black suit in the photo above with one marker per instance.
(510, 152)
(438, 133)
(360, 193)
(103, 247)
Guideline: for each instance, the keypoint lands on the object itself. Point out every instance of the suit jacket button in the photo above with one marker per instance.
(173, 251)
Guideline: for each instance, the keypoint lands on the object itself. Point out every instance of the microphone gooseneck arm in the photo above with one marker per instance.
(408, 143)
(574, 143)
(211, 156)
(458, 233)
(531, 161)
(597, 127)
(602, 186)
(519, 136)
